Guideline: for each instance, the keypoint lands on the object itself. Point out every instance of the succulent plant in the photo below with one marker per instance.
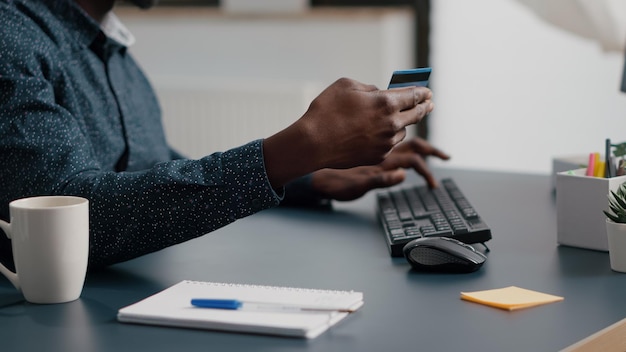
(617, 205)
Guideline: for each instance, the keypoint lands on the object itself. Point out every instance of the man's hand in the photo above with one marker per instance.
(349, 124)
(350, 184)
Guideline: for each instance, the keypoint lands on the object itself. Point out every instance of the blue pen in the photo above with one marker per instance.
(216, 303)
(233, 304)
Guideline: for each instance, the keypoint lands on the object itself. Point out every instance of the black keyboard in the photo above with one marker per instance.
(411, 212)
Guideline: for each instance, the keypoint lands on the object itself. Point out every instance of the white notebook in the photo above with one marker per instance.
(172, 307)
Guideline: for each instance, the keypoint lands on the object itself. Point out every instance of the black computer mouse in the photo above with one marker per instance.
(442, 254)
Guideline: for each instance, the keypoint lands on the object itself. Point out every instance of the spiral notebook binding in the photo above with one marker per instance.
(277, 288)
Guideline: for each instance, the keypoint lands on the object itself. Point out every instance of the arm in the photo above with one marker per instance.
(131, 213)
(48, 145)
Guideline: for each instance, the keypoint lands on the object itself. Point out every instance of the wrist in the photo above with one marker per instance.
(290, 154)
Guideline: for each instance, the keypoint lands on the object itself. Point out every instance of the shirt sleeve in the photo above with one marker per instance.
(44, 150)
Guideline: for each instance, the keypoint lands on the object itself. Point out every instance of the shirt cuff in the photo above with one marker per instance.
(300, 193)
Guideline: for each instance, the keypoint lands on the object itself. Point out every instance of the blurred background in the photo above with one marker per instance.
(514, 84)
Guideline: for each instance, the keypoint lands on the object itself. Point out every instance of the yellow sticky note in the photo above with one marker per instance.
(510, 298)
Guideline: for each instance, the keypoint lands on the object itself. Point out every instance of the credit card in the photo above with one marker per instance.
(410, 78)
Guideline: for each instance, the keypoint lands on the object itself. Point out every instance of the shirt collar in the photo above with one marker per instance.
(115, 29)
(85, 29)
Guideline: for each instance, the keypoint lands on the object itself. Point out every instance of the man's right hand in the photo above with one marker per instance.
(349, 124)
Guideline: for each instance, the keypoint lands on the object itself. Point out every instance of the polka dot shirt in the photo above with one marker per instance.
(78, 117)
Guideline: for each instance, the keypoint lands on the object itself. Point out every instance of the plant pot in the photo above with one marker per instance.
(616, 235)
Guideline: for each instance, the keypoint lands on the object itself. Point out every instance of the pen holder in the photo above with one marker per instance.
(566, 163)
(580, 201)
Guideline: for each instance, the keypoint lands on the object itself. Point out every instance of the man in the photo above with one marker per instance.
(77, 116)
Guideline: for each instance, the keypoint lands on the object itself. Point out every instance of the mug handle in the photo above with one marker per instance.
(6, 227)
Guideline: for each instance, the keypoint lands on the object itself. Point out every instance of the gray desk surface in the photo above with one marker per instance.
(344, 249)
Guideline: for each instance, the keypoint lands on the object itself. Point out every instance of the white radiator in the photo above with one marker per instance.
(205, 115)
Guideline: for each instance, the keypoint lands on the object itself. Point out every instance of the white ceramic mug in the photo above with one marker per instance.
(50, 241)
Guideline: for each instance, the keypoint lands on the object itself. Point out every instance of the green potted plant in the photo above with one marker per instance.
(617, 205)
(616, 228)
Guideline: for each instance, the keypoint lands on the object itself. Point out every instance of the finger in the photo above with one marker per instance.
(439, 154)
(421, 94)
(416, 114)
(421, 168)
(387, 178)
(427, 175)
(398, 137)
(410, 97)
(422, 147)
(414, 162)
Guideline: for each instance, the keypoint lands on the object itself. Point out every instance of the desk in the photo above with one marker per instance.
(344, 249)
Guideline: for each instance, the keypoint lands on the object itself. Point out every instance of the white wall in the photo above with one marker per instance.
(511, 91)
(321, 45)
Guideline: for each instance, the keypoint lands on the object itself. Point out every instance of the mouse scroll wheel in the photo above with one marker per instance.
(460, 243)
(469, 247)
(428, 256)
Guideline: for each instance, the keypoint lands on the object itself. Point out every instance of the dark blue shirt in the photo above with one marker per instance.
(78, 117)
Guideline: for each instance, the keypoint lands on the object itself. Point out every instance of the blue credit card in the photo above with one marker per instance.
(410, 78)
